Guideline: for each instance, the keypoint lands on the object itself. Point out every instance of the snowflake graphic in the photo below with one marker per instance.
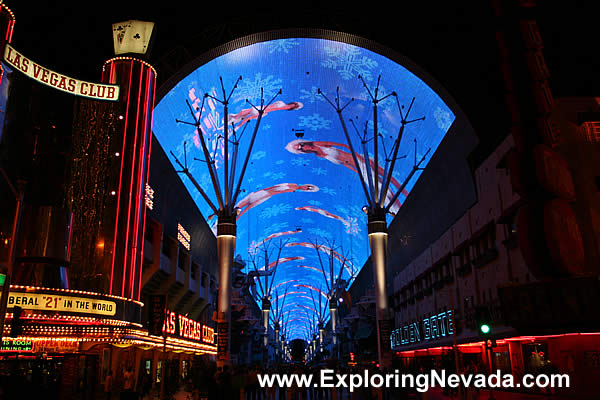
(205, 180)
(352, 227)
(275, 210)
(314, 202)
(342, 209)
(320, 232)
(327, 190)
(258, 155)
(380, 129)
(311, 96)
(319, 171)
(281, 45)
(251, 89)
(278, 227)
(443, 119)
(349, 62)
(300, 162)
(315, 122)
(277, 176)
(279, 162)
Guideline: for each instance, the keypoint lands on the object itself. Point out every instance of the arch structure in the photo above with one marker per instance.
(301, 187)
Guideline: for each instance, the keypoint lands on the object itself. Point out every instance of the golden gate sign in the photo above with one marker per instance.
(58, 81)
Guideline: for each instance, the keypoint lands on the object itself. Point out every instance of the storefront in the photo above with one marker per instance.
(574, 354)
(65, 342)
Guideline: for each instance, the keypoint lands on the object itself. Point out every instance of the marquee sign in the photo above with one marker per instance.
(99, 91)
(186, 328)
(60, 302)
(434, 327)
(9, 345)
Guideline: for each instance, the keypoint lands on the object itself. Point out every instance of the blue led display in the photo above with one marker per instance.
(301, 186)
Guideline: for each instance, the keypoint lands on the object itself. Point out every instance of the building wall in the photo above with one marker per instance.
(188, 276)
(464, 266)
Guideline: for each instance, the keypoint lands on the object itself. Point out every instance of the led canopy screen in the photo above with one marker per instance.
(301, 190)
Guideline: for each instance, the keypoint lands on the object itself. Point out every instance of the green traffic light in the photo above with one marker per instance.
(485, 329)
(2, 279)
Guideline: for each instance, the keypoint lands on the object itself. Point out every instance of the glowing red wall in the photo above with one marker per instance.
(137, 81)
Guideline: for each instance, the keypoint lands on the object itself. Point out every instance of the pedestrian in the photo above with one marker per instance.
(108, 385)
(128, 382)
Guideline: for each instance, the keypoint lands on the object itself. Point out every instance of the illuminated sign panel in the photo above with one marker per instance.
(183, 237)
(301, 185)
(434, 327)
(52, 302)
(99, 91)
(16, 345)
(149, 197)
(186, 328)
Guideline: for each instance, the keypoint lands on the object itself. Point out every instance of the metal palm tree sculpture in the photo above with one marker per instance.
(375, 182)
(226, 196)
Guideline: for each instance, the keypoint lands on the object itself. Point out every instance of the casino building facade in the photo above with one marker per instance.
(110, 264)
(523, 258)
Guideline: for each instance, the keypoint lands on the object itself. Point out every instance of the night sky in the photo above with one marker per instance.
(454, 42)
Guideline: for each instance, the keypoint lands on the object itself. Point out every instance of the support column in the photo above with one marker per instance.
(378, 242)
(321, 337)
(226, 235)
(137, 81)
(333, 314)
(276, 329)
(266, 310)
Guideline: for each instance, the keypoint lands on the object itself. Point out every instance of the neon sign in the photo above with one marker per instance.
(149, 197)
(51, 302)
(184, 327)
(430, 328)
(183, 237)
(16, 345)
(58, 81)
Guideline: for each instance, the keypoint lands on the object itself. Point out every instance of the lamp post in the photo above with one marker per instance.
(266, 310)
(276, 329)
(375, 182)
(226, 196)
(333, 319)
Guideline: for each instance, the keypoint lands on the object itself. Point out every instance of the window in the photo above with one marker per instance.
(592, 131)
(183, 261)
(464, 262)
(484, 247)
(464, 256)
(149, 229)
(194, 272)
(166, 246)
